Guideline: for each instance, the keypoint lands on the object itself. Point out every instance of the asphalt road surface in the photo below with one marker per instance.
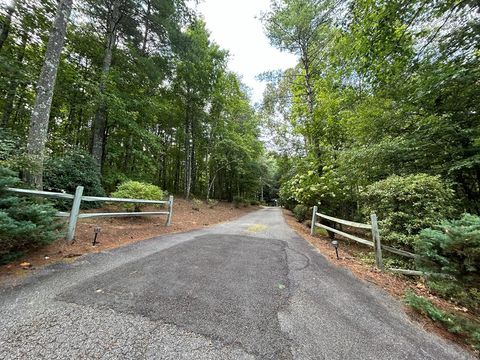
(247, 289)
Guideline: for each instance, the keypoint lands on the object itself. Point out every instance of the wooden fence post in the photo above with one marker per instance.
(314, 220)
(72, 223)
(376, 243)
(170, 211)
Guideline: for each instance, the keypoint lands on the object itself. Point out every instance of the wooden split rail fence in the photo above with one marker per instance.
(375, 243)
(75, 214)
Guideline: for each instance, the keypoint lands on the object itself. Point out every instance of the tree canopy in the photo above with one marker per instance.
(141, 87)
(382, 88)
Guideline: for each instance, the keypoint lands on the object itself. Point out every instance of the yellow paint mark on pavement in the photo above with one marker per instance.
(256, 228)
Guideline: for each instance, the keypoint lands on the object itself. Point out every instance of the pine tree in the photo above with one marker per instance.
(24, 222)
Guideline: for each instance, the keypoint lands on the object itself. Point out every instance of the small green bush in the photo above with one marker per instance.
(301, 212)
(137, 190)
(453, 248)
(238, 201)
(212, 203)
(196, 204)
(25, 222)
(64, 174)
(453, 323)
(406, 205)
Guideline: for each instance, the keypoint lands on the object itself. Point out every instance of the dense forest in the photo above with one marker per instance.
(138, 91)
(385, 97)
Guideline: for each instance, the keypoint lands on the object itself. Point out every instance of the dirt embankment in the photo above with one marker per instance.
(116, 232)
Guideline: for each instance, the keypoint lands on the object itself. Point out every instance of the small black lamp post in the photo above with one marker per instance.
(335, 245)
(97, 231)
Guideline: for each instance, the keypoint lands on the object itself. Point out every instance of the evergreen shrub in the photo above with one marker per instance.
(453, 248)
(25, 222)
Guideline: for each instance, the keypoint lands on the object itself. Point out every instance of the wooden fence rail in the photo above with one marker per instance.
(373, 227)
(74, 214)
(376, 243)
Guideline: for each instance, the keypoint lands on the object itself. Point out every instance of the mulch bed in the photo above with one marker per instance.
(116, 232)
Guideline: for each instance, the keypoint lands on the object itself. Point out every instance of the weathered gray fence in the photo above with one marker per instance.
(376, 243)
(373, 227)
(74, 214)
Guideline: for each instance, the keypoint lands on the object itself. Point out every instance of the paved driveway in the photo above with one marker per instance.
(247, 289)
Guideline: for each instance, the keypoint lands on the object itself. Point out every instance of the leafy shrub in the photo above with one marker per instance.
(406, 205)
(255, 202)
(137, 190)
(309, 186)
(453, 323)
(196, 204)
(300, 212)
(212, 203)
(64, 174)
(453, 248)
(288, 204)
(238, 201)
(25, 222)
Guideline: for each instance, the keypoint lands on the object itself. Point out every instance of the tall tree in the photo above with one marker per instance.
(114, 15)
(6, 21)
(38, 130)
(295, 26)
(196, 74)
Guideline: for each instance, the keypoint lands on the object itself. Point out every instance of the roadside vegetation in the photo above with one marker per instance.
(131, 98)
(126, 98)
(381, 115)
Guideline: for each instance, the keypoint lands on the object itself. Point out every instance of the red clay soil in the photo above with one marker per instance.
(116, 232)
(350, 255)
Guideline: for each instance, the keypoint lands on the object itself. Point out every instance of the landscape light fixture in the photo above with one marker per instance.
(97, 231)
(335, 245)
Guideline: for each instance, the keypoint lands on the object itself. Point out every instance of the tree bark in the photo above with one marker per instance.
(38, 130)
(188, 151)
(5, 25)
(147, 27)
(100, 120)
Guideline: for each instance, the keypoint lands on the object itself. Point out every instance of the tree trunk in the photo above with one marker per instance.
(193, 164)
(176, 186)
(100, 120)
(38, 131)
(188, 155)
(5, 24)
(147, 27)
